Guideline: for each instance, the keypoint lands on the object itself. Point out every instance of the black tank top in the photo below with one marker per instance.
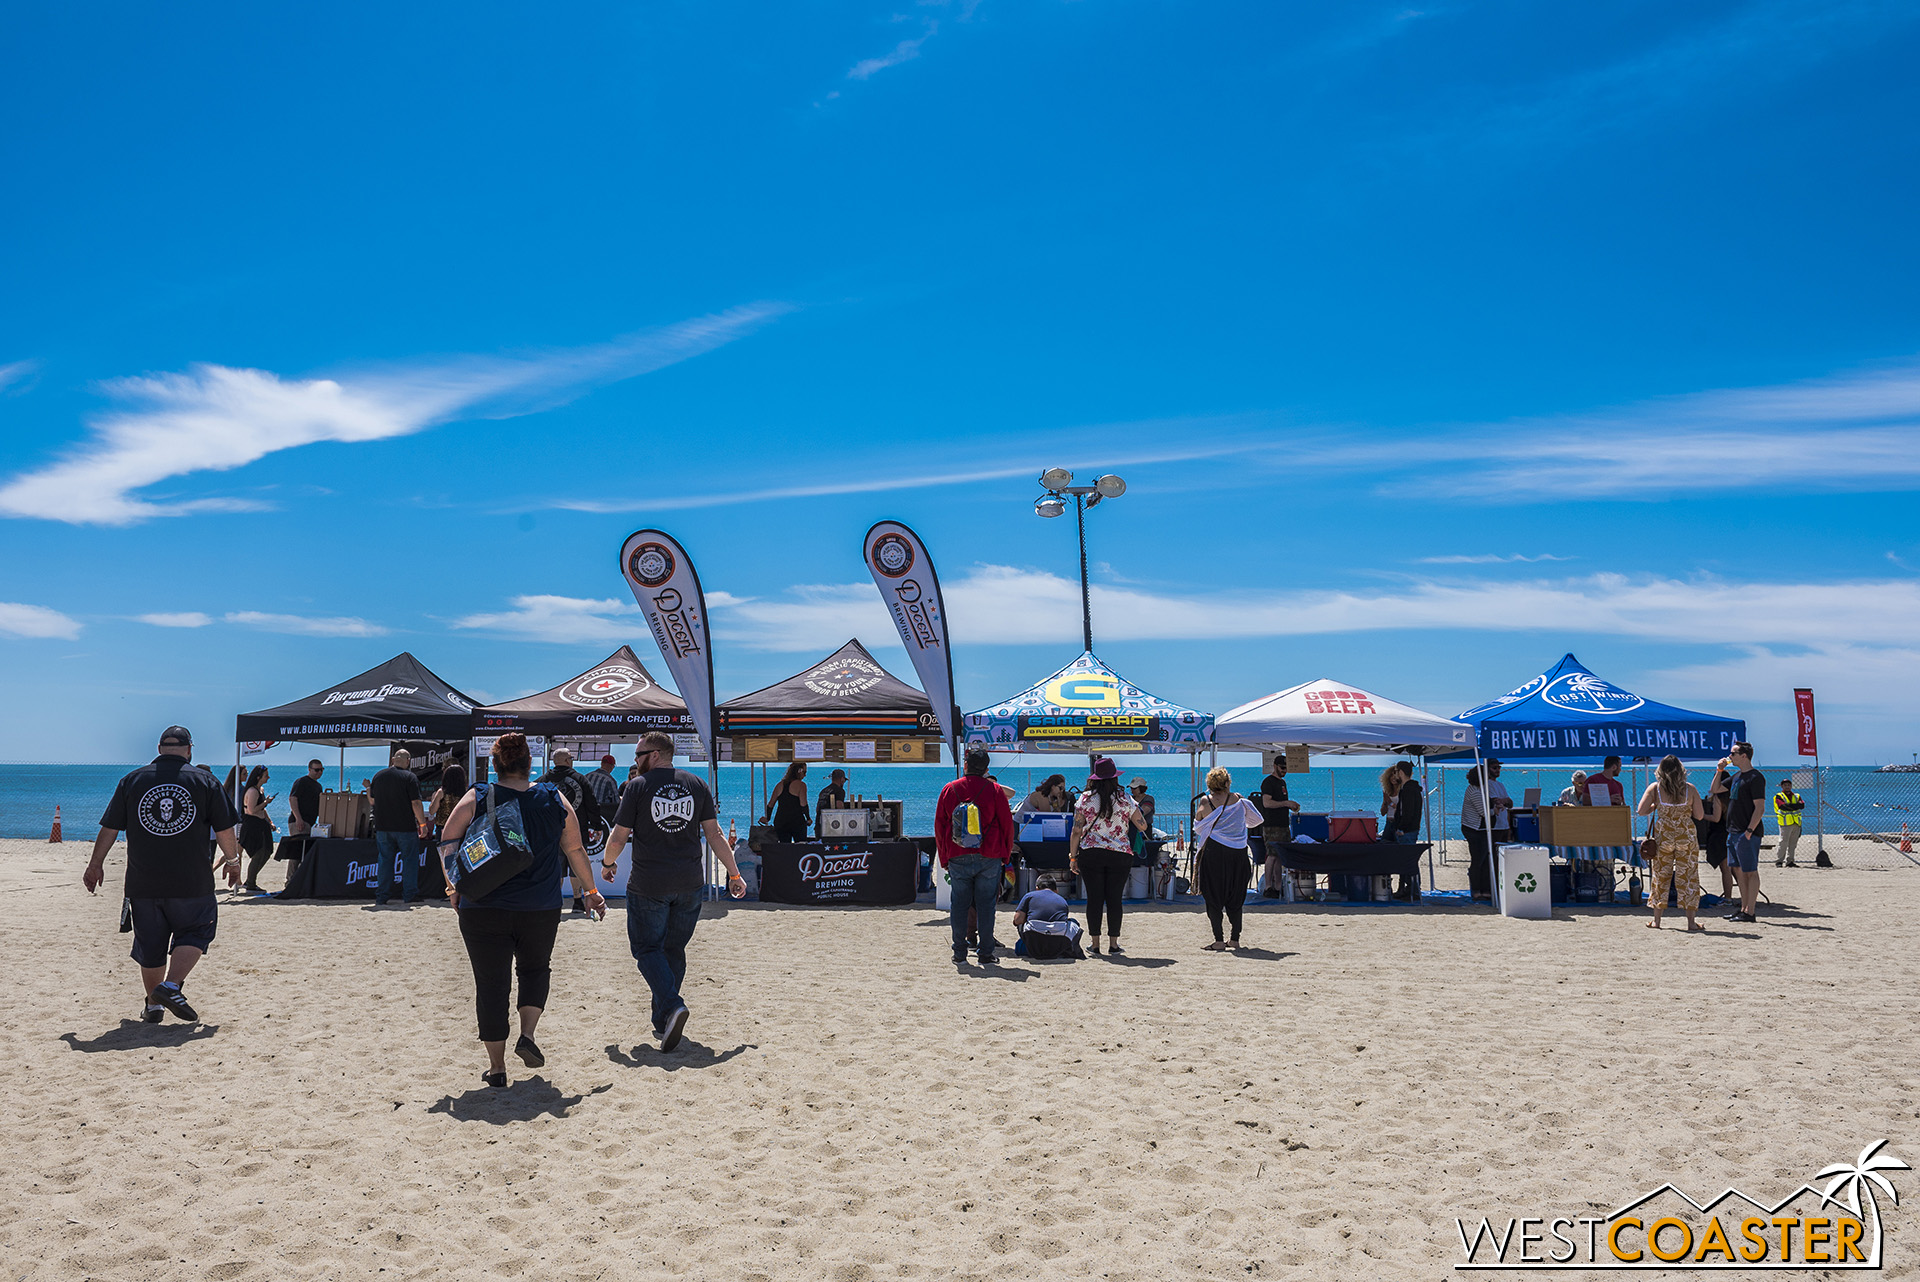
(789, 812)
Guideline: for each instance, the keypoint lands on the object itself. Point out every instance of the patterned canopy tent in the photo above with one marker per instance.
(1087, 707)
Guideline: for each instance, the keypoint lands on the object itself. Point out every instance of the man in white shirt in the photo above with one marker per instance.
(1502, 805)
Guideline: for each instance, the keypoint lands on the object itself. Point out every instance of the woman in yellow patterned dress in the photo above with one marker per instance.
(1674, 805)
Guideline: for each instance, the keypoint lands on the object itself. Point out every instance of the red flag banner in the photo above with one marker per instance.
(1803, 714)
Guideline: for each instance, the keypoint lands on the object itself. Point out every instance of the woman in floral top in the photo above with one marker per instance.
(1101, 852)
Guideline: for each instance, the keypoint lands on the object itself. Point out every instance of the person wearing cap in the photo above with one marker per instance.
(1143, 799)
(170, 810)
(832, 797)
(1787, 808)
(1099, 851)
(973, 836)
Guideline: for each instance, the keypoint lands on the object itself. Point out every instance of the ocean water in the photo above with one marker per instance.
(1858, 798)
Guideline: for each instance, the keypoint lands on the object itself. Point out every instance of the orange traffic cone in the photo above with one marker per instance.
(1906, 838)
(55, 834)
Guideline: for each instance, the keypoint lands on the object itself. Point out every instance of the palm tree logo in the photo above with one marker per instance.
(1862, 1174)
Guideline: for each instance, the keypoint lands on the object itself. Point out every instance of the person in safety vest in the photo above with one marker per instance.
(1787, 805)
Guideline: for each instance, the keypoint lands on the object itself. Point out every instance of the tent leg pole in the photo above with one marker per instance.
(1486, 819)
(239, 783)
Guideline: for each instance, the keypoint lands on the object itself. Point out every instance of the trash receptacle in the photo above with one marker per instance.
(1525, 884)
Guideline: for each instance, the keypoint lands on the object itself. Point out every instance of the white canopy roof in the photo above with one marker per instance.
(1337, 717)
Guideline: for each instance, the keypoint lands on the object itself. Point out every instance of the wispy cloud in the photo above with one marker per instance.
(215, 418)
(36, 622)
(1008, 605)
(183, 619)
(564, 619)
(1040, 451)
(1851, 431)
(15, 374)
(905, 51)
(1489, 558)
(305, 626)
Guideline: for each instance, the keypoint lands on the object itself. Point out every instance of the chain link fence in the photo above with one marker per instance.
(1861, 817)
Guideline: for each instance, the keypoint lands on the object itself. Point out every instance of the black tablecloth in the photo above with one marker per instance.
(1044, 854)
(349, 868)
(1366, 858)
(878, 872)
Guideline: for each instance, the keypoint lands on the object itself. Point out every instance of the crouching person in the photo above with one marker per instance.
(1047, 931)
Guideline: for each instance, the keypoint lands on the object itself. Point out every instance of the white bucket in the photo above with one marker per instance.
(942, 888)
(1140, 884)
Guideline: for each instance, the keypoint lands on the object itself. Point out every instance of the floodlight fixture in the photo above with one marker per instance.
(1056, 479)
(1110, 486)
(1050, 506)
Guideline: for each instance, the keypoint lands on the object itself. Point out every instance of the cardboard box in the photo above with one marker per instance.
(1586, 826)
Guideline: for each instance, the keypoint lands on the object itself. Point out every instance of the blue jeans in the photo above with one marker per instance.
(657, 932)
(406, 845)
(976, 885)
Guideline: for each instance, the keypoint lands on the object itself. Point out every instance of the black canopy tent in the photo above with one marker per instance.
(846, 698)
(400, 699)
(617, 698)
(844, 708)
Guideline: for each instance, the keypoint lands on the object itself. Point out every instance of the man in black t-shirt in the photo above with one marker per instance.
(1405, 826)
(170, 809)
(398, 818)
(832, 797)
(665, 811)
(303, 812)
(1278, 829)
(1746, 811)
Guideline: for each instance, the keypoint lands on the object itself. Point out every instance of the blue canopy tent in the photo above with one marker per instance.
(1087, 707)
(1569, 716)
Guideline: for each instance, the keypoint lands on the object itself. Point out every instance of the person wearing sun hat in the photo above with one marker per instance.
(1099, 850)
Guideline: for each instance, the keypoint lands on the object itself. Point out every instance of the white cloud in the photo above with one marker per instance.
(1489, 558)
(17, 372)
(905, 51)
(1006, 605)
(1040, 450)
(304, 626)
(36, 622)
(215, 418)
(183, 619)
(566, 619)
(1847, 432)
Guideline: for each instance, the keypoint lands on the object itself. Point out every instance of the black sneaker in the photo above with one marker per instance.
(959, 959)
(170, 996)
(529, 1054)
(987, 959)
(676, 1024)
(153, 1013)
(1744, 917)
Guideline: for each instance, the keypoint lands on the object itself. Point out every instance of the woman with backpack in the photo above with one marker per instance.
(511, 928)
(1099, 851)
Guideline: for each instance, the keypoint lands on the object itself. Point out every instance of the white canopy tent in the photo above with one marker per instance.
(1340, 718)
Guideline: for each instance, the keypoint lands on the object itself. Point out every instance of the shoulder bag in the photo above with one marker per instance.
(493, 850)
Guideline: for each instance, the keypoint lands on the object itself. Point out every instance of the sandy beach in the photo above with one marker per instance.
(848, 1106)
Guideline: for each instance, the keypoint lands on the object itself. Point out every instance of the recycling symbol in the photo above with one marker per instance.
(1525, 883)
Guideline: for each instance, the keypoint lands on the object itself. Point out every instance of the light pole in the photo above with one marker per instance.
(1058, 484)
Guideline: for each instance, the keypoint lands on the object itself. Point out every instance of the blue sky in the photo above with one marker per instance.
(1433, 343)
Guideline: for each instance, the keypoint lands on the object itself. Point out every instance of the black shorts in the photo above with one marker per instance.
(162, 925)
